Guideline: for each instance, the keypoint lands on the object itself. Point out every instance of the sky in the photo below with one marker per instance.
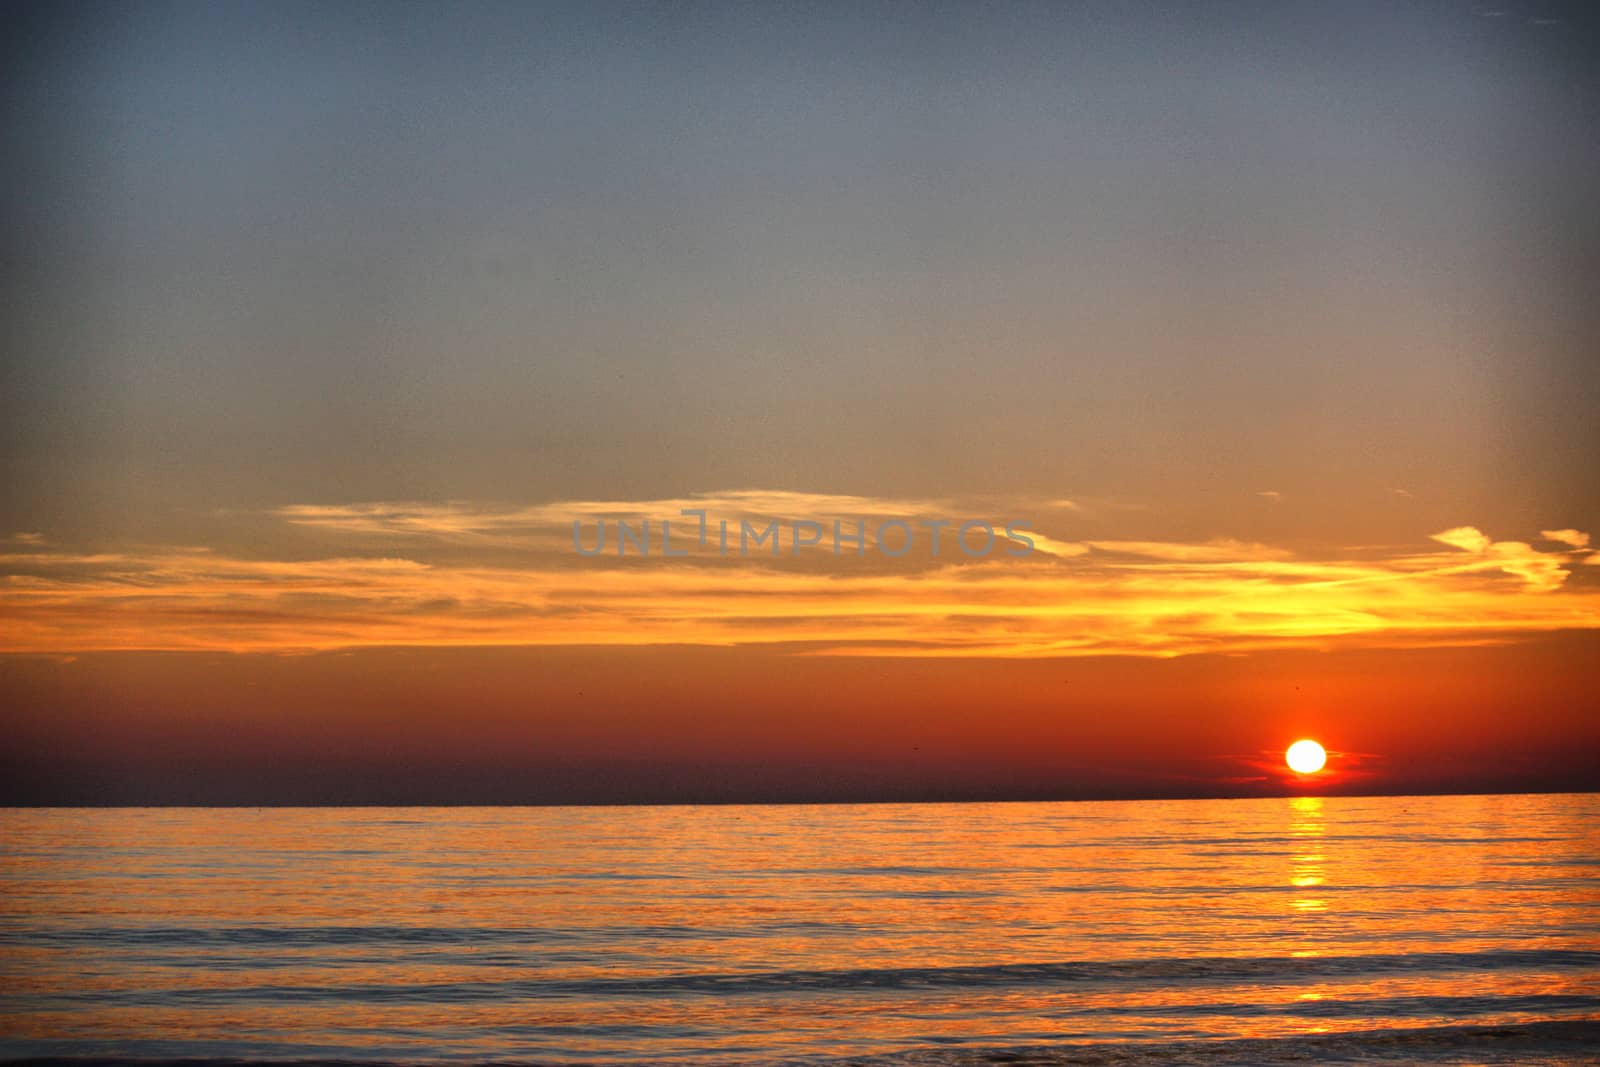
(1273, 323)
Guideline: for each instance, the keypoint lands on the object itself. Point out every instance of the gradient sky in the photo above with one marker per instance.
(1276, 321)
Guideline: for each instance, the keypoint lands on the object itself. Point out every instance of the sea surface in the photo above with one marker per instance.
(1403, 929)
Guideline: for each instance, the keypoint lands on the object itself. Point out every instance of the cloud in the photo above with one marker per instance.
(1272, 495)
(1541, 571)
(1217, 551)
(1575, 538)
(1469, 538)
(465, 574)
(1049, 546)
(466, 520)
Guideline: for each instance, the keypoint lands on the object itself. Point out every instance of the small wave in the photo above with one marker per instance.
(326, 936)
(1158, 973)
(1542, 1044)
(1557, 1043)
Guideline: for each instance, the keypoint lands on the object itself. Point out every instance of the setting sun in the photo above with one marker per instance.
(1306, 757)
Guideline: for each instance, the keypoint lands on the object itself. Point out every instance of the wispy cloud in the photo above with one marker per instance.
(1541, 571)
(1219, 551)
(1149, 598)
(1469, 538)
(467, 520)
(1574, 538)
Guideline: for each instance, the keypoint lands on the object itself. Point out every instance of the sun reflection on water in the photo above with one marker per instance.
(1308, 862)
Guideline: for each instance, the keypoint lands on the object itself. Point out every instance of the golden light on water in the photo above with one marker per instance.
(1306, 757)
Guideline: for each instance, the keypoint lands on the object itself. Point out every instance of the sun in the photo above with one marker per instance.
(1306, 757)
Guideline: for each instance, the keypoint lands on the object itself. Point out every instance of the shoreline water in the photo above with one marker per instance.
(1550, 1043)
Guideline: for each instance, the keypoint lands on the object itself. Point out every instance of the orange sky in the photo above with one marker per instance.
(453, 653)
(673, 723)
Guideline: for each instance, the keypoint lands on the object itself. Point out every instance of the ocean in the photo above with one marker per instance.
(1397, 929)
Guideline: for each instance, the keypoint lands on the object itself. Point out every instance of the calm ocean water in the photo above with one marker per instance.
(1416, 930)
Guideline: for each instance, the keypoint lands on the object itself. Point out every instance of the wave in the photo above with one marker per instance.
(1161, 973)
(1558, 1043)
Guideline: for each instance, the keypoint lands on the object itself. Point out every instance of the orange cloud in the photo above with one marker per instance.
(1574, 538)
(1469, 538)
(1541, 571)
(1221, 551)
(1097, 598)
